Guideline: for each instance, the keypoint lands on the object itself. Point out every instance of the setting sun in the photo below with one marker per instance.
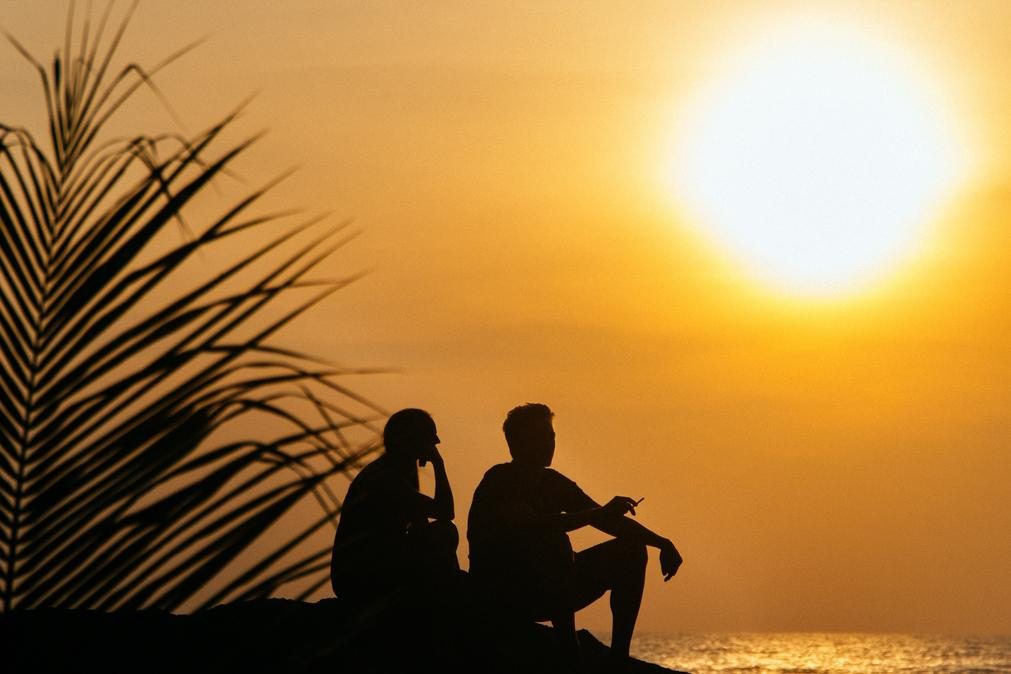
(818, 156)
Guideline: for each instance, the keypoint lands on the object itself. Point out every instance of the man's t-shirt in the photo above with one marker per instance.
(381, 501)
(507, 539)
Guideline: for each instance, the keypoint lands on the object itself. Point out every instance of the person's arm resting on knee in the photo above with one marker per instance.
(610, 519)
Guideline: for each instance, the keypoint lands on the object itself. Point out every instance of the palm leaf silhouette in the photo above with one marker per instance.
(127, 383)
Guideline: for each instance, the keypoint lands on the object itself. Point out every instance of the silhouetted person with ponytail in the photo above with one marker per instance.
(391, 535)
(520, 553)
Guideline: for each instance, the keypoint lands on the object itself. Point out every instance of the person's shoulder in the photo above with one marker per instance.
(554, 480)
(555, 476)
(382, 474)
(497, 472)
(371, 471)
(499, 479)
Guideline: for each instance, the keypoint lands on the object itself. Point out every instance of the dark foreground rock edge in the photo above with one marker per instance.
(281, 635)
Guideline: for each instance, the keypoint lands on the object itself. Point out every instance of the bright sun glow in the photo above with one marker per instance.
(818, 157)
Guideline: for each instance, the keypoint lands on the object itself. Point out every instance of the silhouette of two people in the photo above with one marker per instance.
(521, 559)
(390, 535)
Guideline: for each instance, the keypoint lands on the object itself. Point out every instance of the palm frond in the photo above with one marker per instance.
(132, 377)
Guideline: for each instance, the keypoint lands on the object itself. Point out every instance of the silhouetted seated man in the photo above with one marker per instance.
(385, 539)
(520, 552)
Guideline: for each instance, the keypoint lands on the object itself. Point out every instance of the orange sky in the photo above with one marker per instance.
(836, 466)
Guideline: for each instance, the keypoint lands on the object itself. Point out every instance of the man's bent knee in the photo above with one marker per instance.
(632, 554)
(434, 541)
(442, 535)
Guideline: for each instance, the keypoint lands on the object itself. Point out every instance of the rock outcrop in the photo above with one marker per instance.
(286, 636)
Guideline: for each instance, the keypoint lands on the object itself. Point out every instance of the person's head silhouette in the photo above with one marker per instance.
(529, 434)
(408, 433)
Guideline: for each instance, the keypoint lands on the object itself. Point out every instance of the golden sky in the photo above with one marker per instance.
(836, 465)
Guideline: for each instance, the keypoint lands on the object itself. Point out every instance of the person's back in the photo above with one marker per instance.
(510, 552)
(379, 500)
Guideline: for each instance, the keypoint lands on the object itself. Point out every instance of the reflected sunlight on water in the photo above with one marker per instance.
(825, 653)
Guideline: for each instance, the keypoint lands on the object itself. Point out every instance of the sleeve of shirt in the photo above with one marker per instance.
(565, 495)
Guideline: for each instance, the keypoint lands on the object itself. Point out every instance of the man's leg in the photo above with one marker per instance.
(626, 595)
(618, 566)
(564, 623)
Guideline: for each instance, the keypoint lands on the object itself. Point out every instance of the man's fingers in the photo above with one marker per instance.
(625, 503)
(629, 504)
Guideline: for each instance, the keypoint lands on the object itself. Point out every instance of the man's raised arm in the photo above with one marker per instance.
(442, 508)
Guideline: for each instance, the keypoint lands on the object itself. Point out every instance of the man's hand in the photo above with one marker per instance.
(670, 560)
(429, 454)
(618, 506)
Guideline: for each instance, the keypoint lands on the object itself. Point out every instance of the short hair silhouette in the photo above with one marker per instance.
(406, 426)
(523, 426)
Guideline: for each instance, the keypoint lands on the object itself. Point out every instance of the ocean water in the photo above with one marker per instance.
(825, 653)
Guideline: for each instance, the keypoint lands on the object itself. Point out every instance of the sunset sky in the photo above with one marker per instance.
(823, 460)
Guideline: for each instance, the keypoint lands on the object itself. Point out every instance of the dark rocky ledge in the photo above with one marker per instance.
(280, 635)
